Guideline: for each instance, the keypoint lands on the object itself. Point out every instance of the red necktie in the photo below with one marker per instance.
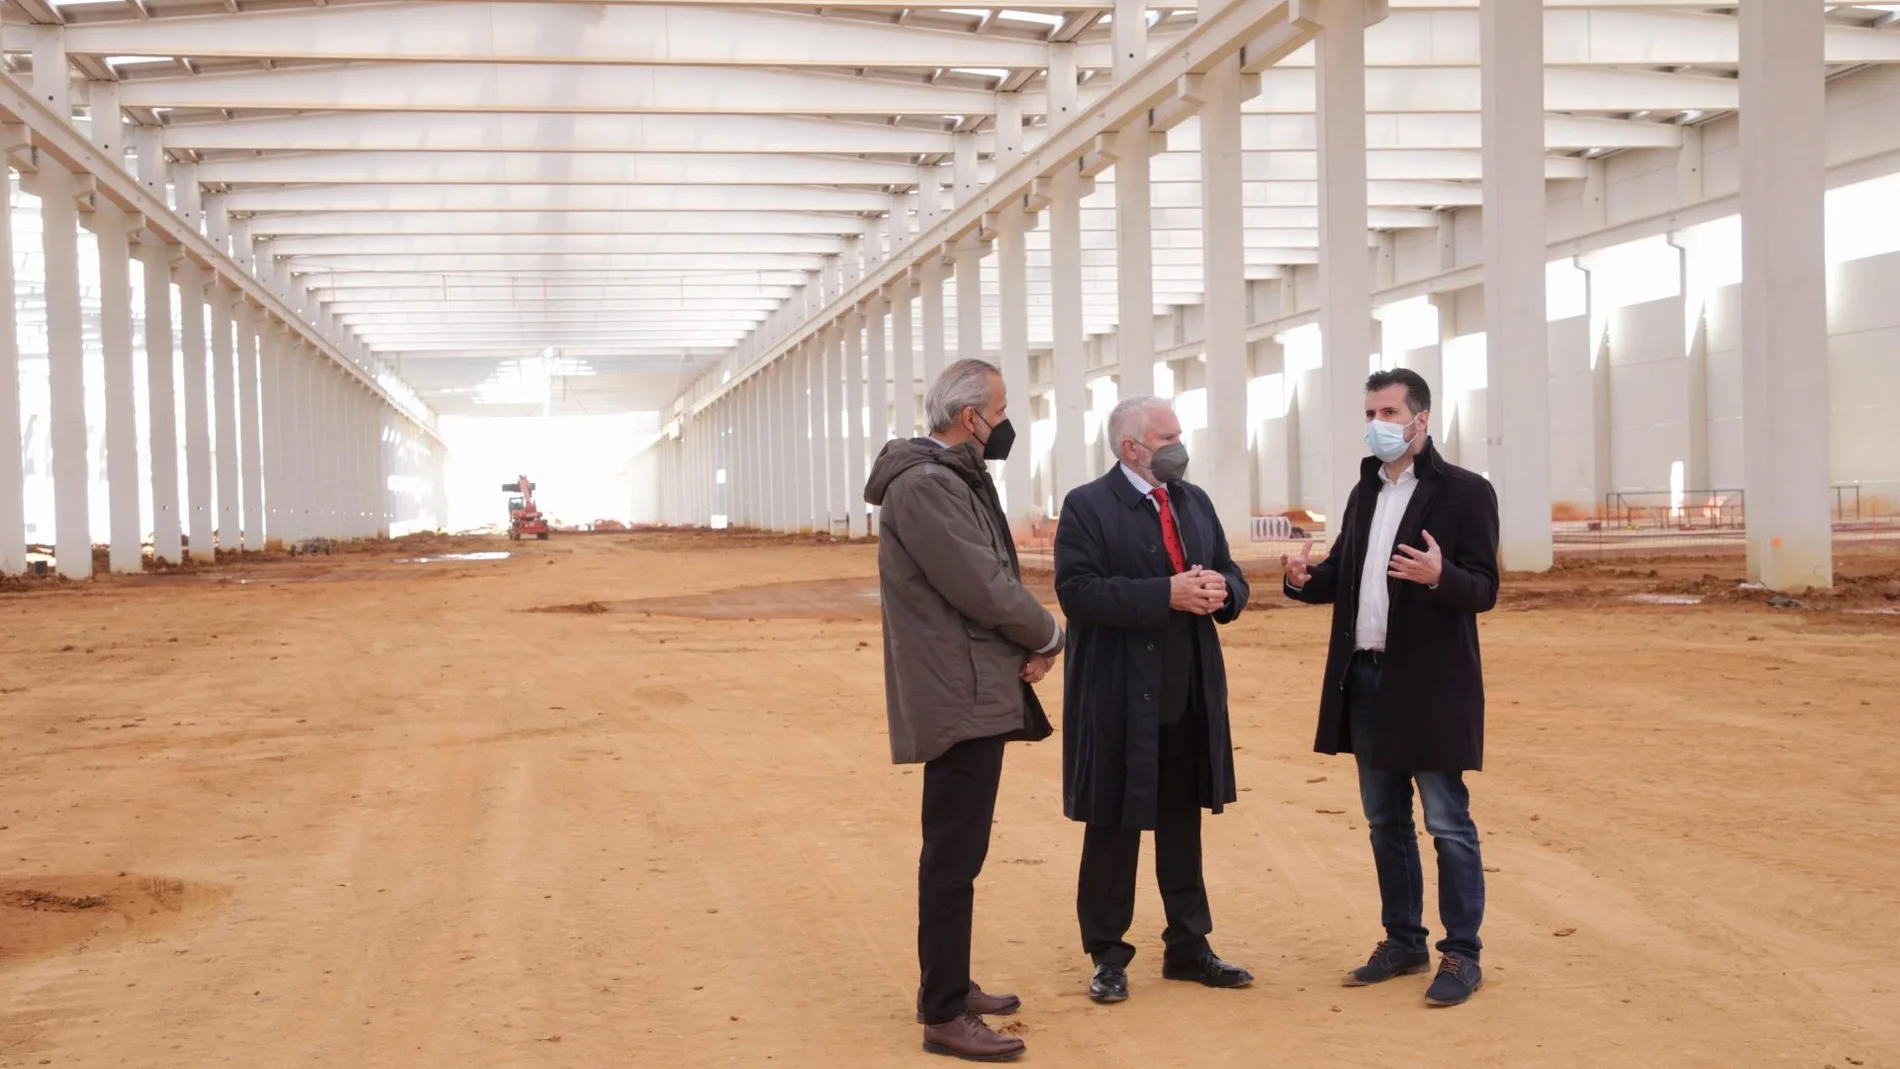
(1169, 535)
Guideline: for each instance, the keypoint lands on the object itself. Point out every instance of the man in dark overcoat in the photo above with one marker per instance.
(1143, 575)
(1414, 564)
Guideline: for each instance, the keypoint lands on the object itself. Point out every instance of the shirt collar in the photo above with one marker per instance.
(1409, 475)
(940, 445)
(1144, 486)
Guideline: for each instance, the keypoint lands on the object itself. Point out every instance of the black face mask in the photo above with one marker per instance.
(1002, 437)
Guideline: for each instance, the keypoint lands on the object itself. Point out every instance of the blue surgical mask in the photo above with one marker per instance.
(1387, 440)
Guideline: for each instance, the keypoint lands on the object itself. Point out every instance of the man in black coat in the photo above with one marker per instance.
(1413, 566)
(1143, 574)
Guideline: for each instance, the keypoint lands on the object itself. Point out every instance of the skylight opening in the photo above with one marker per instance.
(983, 72)
(1036, 17)
(129, 61)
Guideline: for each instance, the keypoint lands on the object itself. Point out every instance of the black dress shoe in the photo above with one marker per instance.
(1110, 984)
(1207, 970)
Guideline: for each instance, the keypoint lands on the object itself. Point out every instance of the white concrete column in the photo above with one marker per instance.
(12, 442)
(837, 437)
(224, 411)
(877, 398)
(1345, 269)
(294, 412)
(322, 448)
(805, 474)
(250, 427)
(904, 415)
(771, 398)
(756, 483)
(789, 470)
(969, 255)
(1065, 260)
(271, 418)
(115, 336)
(929, 273)
(191, 334)
(161, 399)
(854, 472)
(111, 229)
(1517, 330)
(1134, 234)
(66, 354)
(1012, 276)
(1785, 396)
(1225, 463)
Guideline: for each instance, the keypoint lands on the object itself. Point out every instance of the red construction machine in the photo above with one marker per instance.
(523, 517)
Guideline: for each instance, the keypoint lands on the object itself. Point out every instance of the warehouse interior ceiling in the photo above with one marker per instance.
(563, 208)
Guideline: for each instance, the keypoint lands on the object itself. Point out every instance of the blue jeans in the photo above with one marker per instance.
(1387, 799)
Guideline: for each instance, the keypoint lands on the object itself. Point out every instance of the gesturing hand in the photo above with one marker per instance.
(1036, 667)
(1297, 569)
(1424, 566)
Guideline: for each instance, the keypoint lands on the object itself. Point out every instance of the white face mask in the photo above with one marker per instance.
(1387, 440)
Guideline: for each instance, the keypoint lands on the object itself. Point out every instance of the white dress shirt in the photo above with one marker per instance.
(1375, 600)
(1054, 640)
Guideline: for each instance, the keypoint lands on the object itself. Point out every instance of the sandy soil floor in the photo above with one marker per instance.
(345, 811)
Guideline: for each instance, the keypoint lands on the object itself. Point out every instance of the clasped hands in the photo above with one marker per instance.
(1198, 591)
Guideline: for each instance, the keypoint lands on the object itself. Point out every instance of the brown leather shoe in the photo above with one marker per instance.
(969, 1038)
(981, 1003)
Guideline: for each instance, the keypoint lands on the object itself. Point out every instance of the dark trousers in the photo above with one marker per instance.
(1387, 799)
(959, 803)
(1105, 897)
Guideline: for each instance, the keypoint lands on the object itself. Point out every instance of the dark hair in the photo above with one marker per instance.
(1418, 396)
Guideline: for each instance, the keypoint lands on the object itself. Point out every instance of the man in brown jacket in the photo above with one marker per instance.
(963, 641)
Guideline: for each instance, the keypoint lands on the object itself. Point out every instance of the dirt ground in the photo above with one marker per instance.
(626, 801)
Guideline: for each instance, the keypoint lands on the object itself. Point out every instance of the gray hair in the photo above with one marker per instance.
(1129, 419)
(964, 384)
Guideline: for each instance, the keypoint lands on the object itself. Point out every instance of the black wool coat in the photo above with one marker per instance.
(1112, 579)
(1429, 716)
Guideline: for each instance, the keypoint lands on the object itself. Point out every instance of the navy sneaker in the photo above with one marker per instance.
(1388, 960)
(1457, 980)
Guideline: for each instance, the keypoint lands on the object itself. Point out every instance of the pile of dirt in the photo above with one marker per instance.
(585, 608)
